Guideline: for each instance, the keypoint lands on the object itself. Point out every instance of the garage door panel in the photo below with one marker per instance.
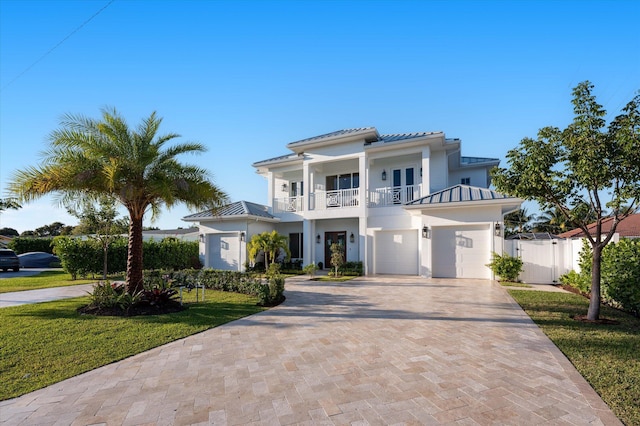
(461, 252)
(396, 252)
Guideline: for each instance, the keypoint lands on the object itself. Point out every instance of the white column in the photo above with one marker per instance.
(426, 176)
(308, 241)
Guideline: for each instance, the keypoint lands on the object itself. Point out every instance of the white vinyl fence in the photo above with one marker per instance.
(544, 261)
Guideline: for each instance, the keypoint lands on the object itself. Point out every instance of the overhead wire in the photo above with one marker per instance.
(48, 52)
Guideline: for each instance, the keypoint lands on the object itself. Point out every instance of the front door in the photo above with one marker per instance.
(330, 238)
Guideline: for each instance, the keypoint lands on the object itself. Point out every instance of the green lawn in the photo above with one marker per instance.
(333, 279)
(607, 356)
(46, 279)
(45, 343)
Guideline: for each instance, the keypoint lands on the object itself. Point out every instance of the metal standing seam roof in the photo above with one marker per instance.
(342, 132)
(237, 209)
(381, 138)
(458, 194)
(403, 136)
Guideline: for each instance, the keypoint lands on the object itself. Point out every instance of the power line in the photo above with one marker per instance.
(56, 46)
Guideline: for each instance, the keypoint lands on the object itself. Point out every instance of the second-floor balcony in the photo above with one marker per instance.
(393, 195)
(348, 198)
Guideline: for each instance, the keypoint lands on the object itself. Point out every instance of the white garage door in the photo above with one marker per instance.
(224, 252)
(396, 252)
(461, 252)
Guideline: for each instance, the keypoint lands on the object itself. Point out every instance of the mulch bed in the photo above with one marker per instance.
(140, 309)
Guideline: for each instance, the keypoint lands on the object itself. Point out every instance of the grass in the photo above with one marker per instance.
(333, 279)
(45, 343)
(512, 284)
(607, 356)
(46, 279)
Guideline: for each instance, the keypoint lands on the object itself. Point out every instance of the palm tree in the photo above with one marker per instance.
(517, 222)
(91, 158)
(8, 203)
(553, 221)
(270, 243)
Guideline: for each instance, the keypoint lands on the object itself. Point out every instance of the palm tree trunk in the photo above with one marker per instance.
(134, 256)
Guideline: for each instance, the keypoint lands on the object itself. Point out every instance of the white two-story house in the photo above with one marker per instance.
(407, 204)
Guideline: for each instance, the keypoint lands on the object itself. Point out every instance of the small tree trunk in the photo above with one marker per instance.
(105, 253)
(593, 313)
(134, 256)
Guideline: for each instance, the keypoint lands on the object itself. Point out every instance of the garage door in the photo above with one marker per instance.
(396, 252)
(224, 252)
(461, 252)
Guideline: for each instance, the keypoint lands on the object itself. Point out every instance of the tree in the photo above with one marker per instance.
(9, 232)
(9, 203)
(552, 221)
(98, 220)
(271, 243)
(586, 163)
(53, 230)
(337, 257)
(89, 157)
(517, 222)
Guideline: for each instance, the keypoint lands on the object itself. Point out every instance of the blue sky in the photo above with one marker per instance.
(245, 78)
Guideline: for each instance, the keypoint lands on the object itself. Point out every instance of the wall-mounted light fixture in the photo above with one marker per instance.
(201, 238)
(284, 187)
(426, 232)
(352, 238)
(384, 174)
(497, 229)
(242, 236)
(318, 239)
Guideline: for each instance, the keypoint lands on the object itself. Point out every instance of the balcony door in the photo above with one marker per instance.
(330, 238)
(403, 181)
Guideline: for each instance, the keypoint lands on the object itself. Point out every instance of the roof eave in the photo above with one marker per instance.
(300, 146)
(465, 204)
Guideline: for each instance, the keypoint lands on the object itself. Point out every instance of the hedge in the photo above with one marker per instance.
(83, 257)
(620, 275)
(28, 244)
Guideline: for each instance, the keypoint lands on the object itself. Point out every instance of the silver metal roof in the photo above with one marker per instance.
(343, 132)
(458, 194)
(237, 209)
(403, 136)
(477, 160)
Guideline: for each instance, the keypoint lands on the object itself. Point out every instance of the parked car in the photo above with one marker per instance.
(39, 259)
(9, 260)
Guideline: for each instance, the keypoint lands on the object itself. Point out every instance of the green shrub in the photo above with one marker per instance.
(82, 257)
(620, 275)
(351, 269)
(579, 281)
(506, 267)
(28, 244)
(310, 269)
(106, 295)
(272, 292)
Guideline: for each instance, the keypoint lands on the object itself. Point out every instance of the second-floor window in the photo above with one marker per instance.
(465, 181)
(296, 189)
(343, 181)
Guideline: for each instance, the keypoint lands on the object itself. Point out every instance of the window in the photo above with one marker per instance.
(344, 181)
(295, 245)
(465, 181)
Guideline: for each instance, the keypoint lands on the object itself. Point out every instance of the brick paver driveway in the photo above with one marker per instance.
(381, 350)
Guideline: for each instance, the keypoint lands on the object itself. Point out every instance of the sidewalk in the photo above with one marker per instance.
(43, 295)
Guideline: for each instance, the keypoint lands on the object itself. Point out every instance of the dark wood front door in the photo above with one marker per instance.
(331, 238)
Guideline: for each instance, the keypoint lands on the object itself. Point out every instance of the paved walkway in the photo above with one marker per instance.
(43, 295)
(383, 350)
